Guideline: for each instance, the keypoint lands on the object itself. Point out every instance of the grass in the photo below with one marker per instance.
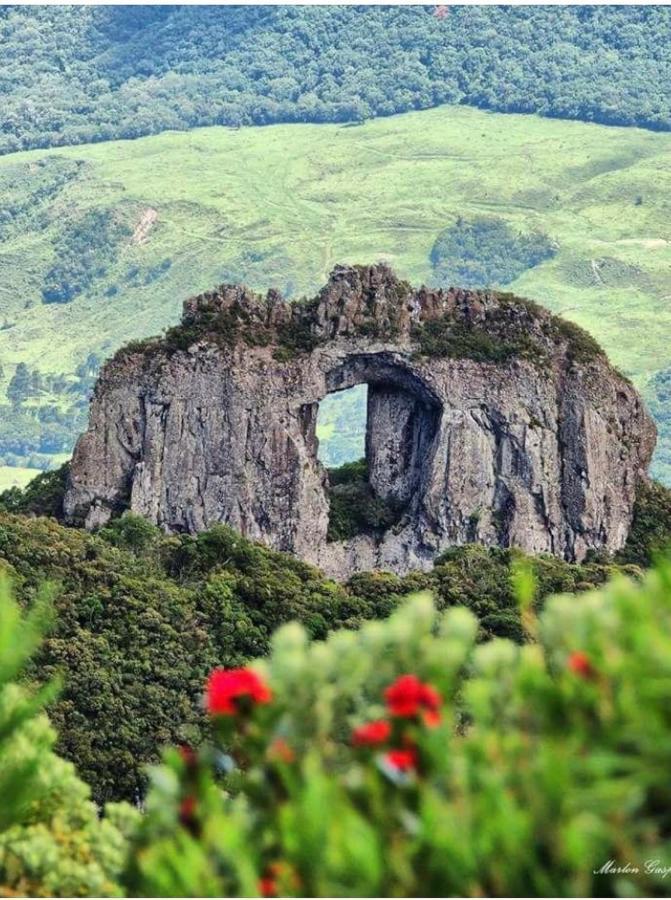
(16, 477)
(281, 205)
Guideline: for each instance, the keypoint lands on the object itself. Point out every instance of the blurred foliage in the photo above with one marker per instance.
(543, 763)
(52, 841)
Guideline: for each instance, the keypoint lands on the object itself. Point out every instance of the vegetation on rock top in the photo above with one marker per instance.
(505, 332)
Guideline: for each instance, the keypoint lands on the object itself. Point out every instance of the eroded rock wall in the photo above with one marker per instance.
(489, 421)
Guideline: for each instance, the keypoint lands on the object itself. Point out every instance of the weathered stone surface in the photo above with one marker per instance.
(488, 418)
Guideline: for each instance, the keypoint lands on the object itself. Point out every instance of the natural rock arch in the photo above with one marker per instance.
(490, 420)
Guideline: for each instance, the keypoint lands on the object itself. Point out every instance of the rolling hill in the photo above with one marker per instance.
(99, 244)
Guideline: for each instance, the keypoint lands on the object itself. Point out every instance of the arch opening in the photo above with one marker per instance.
(341, 426)
(375, 434)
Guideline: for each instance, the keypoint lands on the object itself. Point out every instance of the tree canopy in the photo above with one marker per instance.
(81, 74)
(141, 617)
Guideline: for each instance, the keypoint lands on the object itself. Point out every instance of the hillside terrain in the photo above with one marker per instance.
(100, 244)
(359, 721)
(78, 74)
(444, 664)
(141, 618)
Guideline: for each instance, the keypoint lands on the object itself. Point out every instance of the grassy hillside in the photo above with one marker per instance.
(280, 205)
(15, 476)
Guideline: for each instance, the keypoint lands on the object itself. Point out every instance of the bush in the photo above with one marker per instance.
(582, 347)
(141, 617)
(486, 252)
(84, 253)
(43, 496)
(354, 507)
(461, 340)
(651, 528)
(52, 842)
(406, 760)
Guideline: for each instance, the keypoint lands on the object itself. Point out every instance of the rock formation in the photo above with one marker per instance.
(489, 420)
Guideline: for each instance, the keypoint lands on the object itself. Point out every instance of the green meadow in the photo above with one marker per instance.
(281, 205)
(15, 476)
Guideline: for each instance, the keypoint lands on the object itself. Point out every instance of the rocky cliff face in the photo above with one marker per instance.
(489, 420)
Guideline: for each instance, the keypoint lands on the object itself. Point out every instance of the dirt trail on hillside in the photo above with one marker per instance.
(650, 243)
(144, 226)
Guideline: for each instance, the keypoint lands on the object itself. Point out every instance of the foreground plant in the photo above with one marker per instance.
(52, 841)
(405, 760)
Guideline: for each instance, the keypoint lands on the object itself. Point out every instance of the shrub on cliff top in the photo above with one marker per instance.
(406, 760)
(460, 340)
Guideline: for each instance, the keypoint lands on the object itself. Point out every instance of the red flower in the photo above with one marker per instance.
(279, 877)
(431, 718)
(281, 751)
(580, 664)
(402, 760)
(189, 756)
(371, 734)
(407, 697)
(268, 887)
(226, 687)
(187, 810)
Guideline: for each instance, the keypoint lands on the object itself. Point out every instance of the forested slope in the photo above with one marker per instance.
(141, 616)
(80, 74)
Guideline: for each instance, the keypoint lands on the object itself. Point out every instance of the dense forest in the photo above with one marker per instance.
(43, 413)
(401, 757)
(80, 74)
(125, 627)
